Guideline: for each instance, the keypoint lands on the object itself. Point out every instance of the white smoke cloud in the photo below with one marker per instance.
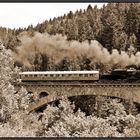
(58, 47)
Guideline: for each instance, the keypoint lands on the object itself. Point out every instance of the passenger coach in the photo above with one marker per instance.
(59, 76)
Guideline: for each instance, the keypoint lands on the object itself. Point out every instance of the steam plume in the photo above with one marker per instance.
(58, 47)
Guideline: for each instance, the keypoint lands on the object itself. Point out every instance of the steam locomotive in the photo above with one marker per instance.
(129, 75)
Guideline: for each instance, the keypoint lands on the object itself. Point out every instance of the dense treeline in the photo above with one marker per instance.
(115, 26)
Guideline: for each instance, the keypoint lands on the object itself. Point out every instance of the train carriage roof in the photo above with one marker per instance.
(58, 72)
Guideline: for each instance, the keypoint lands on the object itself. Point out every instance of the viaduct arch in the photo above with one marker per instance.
(45, 93)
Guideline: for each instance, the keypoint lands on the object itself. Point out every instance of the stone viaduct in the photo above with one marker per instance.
(48, 92)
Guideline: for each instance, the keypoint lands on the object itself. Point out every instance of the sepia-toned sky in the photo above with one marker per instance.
(15, 15)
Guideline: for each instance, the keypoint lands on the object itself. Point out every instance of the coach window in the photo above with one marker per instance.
(86, 75)
(81, 75)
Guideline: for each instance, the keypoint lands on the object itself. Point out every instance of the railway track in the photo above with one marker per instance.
(76, 83)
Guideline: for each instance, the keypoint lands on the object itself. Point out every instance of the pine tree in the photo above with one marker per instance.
(84, 30)
(72, 29)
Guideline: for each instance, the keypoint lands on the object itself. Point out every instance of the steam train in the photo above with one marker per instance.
(128, 75)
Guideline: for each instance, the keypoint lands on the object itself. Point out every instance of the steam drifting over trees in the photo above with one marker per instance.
(56, 51)
(114, 26)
